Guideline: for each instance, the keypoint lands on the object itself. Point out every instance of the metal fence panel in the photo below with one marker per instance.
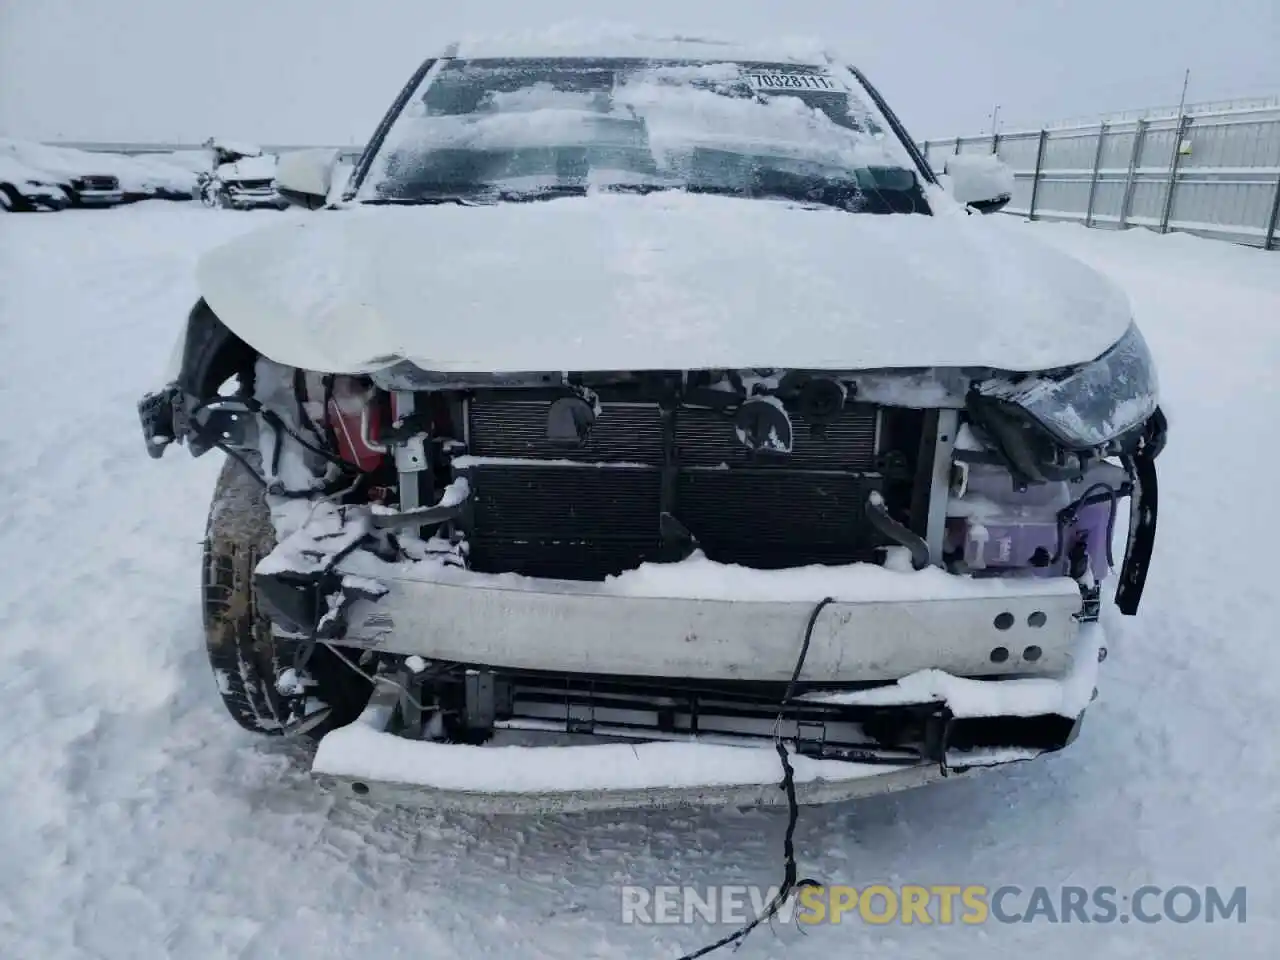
(1213, 171)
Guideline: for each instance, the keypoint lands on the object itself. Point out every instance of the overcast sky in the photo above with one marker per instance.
(321, 71)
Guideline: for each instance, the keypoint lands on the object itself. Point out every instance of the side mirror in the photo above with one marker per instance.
(303, 177)
(980, 180)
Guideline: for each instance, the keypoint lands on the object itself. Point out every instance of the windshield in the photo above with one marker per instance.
(508, 130)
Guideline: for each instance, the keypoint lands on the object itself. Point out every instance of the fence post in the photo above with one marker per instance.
(1093, 178)
(1183, 124)
(1272, 240)
(958, 139)
(1131, 179)
(1035, 177)
(995, 143)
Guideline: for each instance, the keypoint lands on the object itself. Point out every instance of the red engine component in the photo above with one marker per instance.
(349, 404)
(359, 414)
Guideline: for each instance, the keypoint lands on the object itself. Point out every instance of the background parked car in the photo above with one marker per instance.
(24, 189)
(242, 178)
(104, 179)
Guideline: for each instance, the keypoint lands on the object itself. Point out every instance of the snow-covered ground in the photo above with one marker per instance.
(136, 820)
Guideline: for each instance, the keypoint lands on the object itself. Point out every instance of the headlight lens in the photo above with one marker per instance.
(1092, 404)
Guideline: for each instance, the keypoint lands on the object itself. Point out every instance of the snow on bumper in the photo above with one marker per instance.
(364, 760)
(677, 620)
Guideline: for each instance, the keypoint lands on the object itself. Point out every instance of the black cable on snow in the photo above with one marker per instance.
(790, 880)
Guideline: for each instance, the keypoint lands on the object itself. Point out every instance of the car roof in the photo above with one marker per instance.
(623, 44)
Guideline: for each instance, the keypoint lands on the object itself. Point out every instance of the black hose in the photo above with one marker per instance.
(277, 423)
(789, 878)
(275, 490)
(299, 389)
(895, 531)
(240, 459)
(330, 432)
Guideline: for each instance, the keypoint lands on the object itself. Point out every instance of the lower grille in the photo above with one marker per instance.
(588, 512)
(636, 708)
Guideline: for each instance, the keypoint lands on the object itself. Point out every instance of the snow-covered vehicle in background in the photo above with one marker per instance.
(104, 179)
(27, 190)
(86, 179)
(635, 415)
(242, 177)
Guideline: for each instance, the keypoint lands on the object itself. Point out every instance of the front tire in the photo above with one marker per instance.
(243, 651)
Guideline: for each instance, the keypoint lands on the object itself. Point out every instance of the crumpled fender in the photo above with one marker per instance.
(206, 356)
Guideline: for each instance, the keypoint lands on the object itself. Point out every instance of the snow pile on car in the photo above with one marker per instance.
(984, 174)
(667, 281)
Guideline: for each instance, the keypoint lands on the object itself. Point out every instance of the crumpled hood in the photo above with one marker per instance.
(665, 281)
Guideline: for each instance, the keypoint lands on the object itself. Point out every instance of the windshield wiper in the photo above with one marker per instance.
(846, 195)
(486, 197)
(578, 190)
(431, 200)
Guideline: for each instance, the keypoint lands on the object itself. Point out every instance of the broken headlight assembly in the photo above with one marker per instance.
(1087, 407)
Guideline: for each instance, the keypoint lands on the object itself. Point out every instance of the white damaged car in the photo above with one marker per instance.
(634, 416)
(242, 177)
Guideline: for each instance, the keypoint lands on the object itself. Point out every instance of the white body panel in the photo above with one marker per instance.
(667, 281)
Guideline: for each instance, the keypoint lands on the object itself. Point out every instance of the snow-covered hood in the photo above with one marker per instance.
(666, 281)
(248, 168)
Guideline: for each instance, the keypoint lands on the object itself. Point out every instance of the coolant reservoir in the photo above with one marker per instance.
(997, 526)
